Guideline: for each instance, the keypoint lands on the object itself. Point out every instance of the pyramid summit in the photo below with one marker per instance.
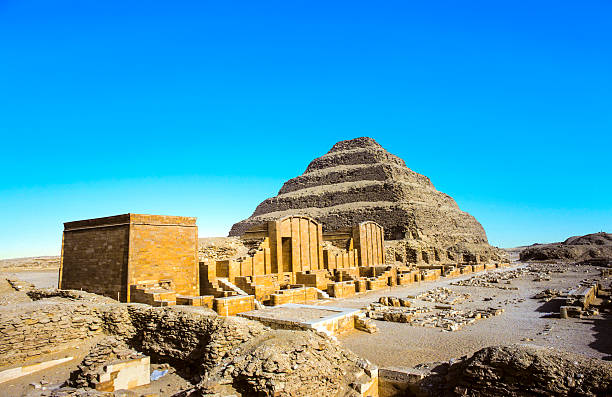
(358, 180)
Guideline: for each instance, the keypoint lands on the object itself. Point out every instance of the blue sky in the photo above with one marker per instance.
(205, 108)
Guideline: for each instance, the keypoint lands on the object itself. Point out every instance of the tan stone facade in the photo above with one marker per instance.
(291, 244)
(153, 259)
(108, 255)
(293, 252)
(364, 243)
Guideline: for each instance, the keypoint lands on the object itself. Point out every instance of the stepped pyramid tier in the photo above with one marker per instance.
(357, 181)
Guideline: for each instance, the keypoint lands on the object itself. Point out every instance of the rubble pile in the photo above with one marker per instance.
(441, 316)
(441, 295)
(221, 248)
(548, 294)
(514, 370)
(542, 271)
(290, 363)
(500, 280)
(225, 354)
(365, 324)
(393, 301)
(513, 301)
(9, 295)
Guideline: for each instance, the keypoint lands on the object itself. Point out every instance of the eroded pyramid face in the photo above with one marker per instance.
(358, 180)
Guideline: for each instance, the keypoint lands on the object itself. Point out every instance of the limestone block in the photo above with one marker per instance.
(125, 375)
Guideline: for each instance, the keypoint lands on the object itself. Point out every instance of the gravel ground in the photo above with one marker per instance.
(399, 344)
(41, 279)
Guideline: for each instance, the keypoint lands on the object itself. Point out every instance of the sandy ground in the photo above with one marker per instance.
(400, 344)
(41, 279)
(30, 264)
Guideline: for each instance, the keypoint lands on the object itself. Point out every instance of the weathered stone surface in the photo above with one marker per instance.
(358, 180)
(192, 335)
(108, 255)
(103, 353)
(520, 370)
(227, 354)
(576, 248)
(290, 363)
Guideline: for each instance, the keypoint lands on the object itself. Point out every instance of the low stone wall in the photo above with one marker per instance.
(478, 268)
(454, 272)
(315, 279)
(294, 295)
(39, 328)
(582, 296)
(341, 290)
(261, 286)
(233, 305)
(361, 285)
(177, 333)
(204, 300)
(430, 275)
(467, 269)
(405, 277)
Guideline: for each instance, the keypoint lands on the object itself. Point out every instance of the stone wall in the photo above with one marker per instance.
(342, 289)
(233, 305)
(95, 259)
(107, 255)
(294, 295)
(159, 245)
(184, 334)
(316, 279)
(40, 328)
(174, 333)
(376, 283)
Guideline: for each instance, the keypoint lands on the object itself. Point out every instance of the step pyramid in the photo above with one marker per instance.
(358, 180)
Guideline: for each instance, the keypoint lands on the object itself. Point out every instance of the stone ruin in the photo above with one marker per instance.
(127, 257)
(357, 181)
(218, 356)
(514, 370)
(153, 259)
(357, 220)
(323, 235)
(293, 261)
(441, 315)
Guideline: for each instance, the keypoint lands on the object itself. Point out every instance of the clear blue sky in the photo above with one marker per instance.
(205, 108)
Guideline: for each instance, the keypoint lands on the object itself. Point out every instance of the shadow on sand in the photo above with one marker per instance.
(552, 306)
(602, 330)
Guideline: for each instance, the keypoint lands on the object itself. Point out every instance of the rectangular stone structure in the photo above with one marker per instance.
(364, 245)
(108, 255)
(291, 244)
